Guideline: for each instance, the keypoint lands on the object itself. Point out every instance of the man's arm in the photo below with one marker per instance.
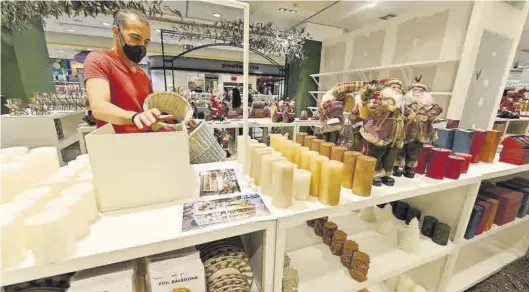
(98, 92)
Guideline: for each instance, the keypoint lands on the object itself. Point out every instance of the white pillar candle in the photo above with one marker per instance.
(83, 157)
(20, 207)
(267, 171)
(282, 180)
(50, 235)
(47, 158)
(40, 196)
(88, 203)
(301, 185)
(79, 165)
(76, 215)
(84, 177)
(241, 145)
(256, 163)
(7, 154)
(12, 179)
(249, 150)
(60, 180)
(14, 240)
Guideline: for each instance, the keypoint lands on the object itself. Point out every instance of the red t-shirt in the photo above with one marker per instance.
(128, 89)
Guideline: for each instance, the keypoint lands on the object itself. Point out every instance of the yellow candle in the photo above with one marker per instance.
(275, 141)
(301, 185)
(267, 170)
(297, 160)
(296, 152)
(325, 149)
(282, 180)
(363, 175)
(316, 144)
(287, 149)
(300, 137)
(307, 142)
(331, 177)
(349, 164)
(305, 159)
(316, 164)
(337, 153)
(256, 163)
(251, 148)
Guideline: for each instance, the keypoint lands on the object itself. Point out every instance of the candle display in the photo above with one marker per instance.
(454, 166)
(325, 149)
(296, 152)
(267, 172)
(349, 165)
(488, 151)
(287, 150)
(249, 150)
(337, 153)
(256, 163)
(300, 137)
(302, 183)
(306, 157)
(331, 183)
(437, 163)
(363, 175)
(316, 144)
(468, 160)
(424, 156)
(316, 166)
(307, 142)
(282, 180)
(297, 159)
(276, 141)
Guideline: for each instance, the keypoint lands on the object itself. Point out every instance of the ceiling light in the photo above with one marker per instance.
(371, 5)
(216, 15)
(61, 51)
(106, 24)
(89, 49)
(70, 30)
(157, 30)
(288, 10)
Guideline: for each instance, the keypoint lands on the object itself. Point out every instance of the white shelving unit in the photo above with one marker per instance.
(514, 126)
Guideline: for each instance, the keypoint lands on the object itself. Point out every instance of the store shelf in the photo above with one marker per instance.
(319, 270)
(448, 93)
(522, 119)
(496, 169)
(495, 229)
(389, 67)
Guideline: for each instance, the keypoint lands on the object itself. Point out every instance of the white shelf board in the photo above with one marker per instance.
(388, 67)
(381, 287)
(261, 122)
(496, 169)
(320, 270)
(495, 229)
(53, 115)
(521, 119)
(317, 91)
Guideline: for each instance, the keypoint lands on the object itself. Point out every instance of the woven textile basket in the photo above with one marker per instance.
(203, 146)
(171, 103)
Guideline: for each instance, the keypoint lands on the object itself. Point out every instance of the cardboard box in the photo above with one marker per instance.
(132, 170)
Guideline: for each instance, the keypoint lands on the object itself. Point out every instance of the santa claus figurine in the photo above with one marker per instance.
(420, 112)
(383, 127)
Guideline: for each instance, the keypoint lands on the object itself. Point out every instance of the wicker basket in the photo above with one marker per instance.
(170, 103)
(203, 147)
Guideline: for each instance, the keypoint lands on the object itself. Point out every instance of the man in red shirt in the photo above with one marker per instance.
(115, 85)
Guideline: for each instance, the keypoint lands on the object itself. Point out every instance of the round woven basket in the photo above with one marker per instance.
(203, 147)
(170, 103)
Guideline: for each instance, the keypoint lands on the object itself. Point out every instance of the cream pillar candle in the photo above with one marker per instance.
(316, 165)
(349, 165)
(331, 179)
(282, 180)
(39, 195)
(250, 149)
(298, 158)
(307, 142)
(296, 152)
(301, 187)
(316, 144)
(7, 154)
(22, 208)
(83, 157)
(88, 202)
(288, 150)
(76, 214)
(14, 240)
(60, 180)
(325, 149)
(85, 176)
(256, 163)
(47, 159)
(240, 151)
(305, 159)
(276, 141)
(12, 179)
(267, 172)
(337, 153)
(363, 175)
(300, 137)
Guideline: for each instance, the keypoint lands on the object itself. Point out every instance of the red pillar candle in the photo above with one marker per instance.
(437, 163)
(423, 158)
(468, 159)
(477, 144)
(454, 166)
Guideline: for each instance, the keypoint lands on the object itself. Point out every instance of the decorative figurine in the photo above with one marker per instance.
(303, 116)
(420, 112)
(384, 218)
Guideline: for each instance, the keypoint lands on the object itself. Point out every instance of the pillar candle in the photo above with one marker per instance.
(445, 138)
(287, 147)
(60, 180)
(316, 164)
(424, 156)
(275, 141)
(477, 144)
(12, 179)
(267, 172)
(301, 187)
(337, 153)
(282, 180)
(316, 144)
(76, 216)
(297, 159)
(14, 240)
(296, 152)
(256, 163)
(468, 160)
(7, 154)
(331, 183)
(250, 149)
(39, 195)
(492, 140)
(241, 146)
(428, 225)
(349, 165)
(462, 140)
(300, 137)
(437, 163)
(454, 166)
(307, 142)
(363, 175)
(88, 209)
(325, 149)
(306, 156)
(47, 159)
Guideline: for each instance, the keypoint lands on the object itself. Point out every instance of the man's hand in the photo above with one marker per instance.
(149, 117)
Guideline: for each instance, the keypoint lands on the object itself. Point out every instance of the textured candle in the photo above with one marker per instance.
(349, 248)
(306, 157)
(257, 156)
(288, 150)
(316, 166)
(296, 153)
(454, 167)
(276, 141)
(39, 195)
(267, 172)
(282, 180)
(477, 144)
(446, 138)
(331, 183)
(492, 140)
(7, 154)
(325, 149)
(250, 149)
(437, 163)
(300, 137)
(462, 140)
(424, 156)
(337, 153)
(328, 231)
(301, 187)
(337, 242)
(349, 165)
(307, 142)
(88, 202)
(441, 233)
(316, 144)
(468, 160)
(363, 175)
(12, 179)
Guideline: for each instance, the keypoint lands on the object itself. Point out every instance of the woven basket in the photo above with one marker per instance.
(203, 147)
(170, 103)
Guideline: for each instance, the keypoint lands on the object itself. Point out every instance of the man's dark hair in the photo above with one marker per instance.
(120, 17)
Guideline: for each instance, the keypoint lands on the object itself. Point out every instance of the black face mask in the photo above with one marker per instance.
(133, 53)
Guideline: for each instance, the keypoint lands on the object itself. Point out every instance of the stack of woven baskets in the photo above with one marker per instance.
(203, 147)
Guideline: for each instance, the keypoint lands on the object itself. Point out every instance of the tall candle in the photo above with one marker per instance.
(282, 179)
(267, 172)
(424, 156)
(492, 140)
(316, 165)
(256, 163)
(241, 146)
(275, 141)
(468, 160)
(331, 183)
(307, 142)
(454, 166)
(316, 144)
(250, 149)
(477, 144)
(337, 153)
(437, 164)
(325, 149)
(301, 187)
(297, 160)
(349, 165)
(306, 156)
(287, 149)
(363, 175)
(296, 152)
(300, 137)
